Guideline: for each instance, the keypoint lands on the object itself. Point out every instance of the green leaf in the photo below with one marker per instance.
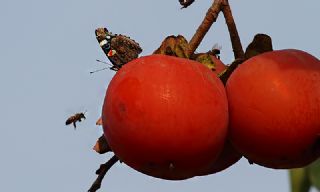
(299, 180)
(314, 174)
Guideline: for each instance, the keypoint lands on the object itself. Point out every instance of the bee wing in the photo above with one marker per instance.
(216, 46)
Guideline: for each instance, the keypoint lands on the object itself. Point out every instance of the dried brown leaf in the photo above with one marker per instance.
(174, 46)
(99, 121)
(102, 145)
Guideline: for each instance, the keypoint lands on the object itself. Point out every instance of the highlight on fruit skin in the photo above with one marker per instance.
(274, 108)
(166, 117)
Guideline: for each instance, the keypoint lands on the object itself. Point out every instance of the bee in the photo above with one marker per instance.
(216, 49)
(74, 118)
(119, 49)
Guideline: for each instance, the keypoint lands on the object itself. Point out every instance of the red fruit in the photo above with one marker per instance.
(228, 157)
(165, 116)
(274, 108)
(219, 65)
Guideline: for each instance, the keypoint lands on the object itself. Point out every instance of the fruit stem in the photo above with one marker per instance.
(224, 75)
(299, 180)
(102, 172)
(209, 19)
(261, 43)
(234, 36)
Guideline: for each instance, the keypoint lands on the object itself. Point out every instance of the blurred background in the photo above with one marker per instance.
(47, 49)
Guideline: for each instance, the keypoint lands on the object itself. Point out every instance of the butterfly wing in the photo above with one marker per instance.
(125, 48)
(119, 49)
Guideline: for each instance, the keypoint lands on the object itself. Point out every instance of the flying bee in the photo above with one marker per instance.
(119, 49)
(74, 118)
(216, 50)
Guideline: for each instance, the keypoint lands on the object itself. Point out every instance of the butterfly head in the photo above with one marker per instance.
(101, 33)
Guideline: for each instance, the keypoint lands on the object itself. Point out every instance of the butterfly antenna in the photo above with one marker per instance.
(104, 62)
(102, 68)
(98, 70)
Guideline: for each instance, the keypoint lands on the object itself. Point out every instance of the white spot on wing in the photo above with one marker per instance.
(102, 43)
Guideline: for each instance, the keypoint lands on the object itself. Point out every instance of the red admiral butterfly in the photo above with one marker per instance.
(119, 49)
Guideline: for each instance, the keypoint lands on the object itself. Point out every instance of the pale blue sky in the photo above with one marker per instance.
(47, 49)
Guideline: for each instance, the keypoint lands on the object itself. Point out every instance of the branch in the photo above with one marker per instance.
(234, 36)
(209, 19)
(235, 42)
(102, 172)
(261, 43)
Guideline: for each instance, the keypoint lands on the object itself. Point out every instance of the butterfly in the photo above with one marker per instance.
(119, 49)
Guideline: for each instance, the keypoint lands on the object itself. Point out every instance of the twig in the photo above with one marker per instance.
(209, 19)
(234, 36)
(102, 172)
(261, 43)
(235, 42)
